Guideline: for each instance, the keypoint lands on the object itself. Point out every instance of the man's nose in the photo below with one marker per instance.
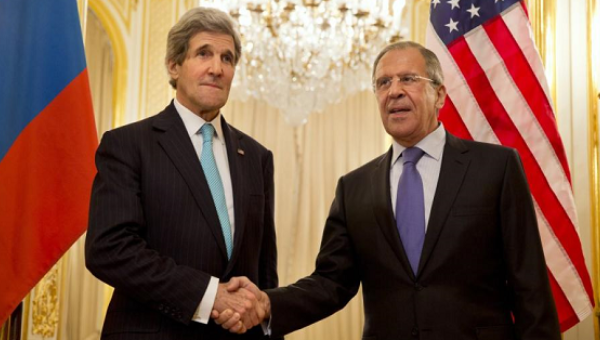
(216, 67)
(396, 89)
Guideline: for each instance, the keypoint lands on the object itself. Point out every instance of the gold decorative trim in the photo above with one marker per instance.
(542, 14)
(26, 311)
(125, 9)
(120, 67)
(593, 25)
(82, 6)
(143, 61)
(45, 305)
(535, 9)
(64, 262)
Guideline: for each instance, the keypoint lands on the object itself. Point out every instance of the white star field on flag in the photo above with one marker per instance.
(474, 11)
(454, 3)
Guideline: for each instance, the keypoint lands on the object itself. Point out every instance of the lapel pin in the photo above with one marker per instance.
(241, 152)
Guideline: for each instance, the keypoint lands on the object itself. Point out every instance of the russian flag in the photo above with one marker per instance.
(47, 141)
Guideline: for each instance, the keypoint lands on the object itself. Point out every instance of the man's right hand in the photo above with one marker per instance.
(249, 307)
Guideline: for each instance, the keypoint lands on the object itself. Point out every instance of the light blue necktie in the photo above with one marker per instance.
(207, 160)
(410, 207)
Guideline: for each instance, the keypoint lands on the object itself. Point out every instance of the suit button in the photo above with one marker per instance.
(415, 332)
(418, 287)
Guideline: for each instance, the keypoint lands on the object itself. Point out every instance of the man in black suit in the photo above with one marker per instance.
(183, 200)
(457, 256)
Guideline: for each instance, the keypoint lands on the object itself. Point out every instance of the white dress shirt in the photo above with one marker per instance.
(193, 123)
(428, 166)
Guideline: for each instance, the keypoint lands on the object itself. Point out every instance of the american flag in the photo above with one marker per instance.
(498, 93)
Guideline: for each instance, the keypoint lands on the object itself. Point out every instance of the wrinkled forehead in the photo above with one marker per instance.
(220, 41)
(401, 61)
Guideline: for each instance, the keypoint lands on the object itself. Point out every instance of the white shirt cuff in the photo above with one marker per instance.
(266, 326)
(203, 311)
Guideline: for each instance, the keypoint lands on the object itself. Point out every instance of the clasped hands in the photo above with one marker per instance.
(240, 305)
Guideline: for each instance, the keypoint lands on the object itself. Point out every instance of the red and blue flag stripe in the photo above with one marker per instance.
(47, 141)
(498, 93)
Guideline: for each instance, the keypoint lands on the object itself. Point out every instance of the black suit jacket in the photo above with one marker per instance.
(154, 233)
(482, 260)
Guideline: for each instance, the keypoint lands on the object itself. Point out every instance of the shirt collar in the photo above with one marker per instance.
(193, 122)
(432, 144)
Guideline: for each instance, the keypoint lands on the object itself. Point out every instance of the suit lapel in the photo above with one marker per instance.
(175, 141)
(382, 207)
(452, 172)
(237, 168)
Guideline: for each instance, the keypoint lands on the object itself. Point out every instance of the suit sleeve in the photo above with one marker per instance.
(268, 257)
(268, 277)
(534, 310)
(116, 250)
(332, 285)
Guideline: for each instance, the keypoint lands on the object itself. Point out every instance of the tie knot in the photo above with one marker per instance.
(412, 155)
(207, 131)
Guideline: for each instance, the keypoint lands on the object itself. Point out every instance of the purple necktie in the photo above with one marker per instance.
(410, 209)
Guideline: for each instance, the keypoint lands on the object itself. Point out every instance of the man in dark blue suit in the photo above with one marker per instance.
(441, 232)
(183, 201)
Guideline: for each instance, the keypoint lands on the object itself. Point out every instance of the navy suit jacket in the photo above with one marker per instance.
(154, 234)
(482, 261)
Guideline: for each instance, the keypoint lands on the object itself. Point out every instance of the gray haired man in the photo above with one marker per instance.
(183, 202)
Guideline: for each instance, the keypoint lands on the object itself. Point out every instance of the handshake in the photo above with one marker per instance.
(240, 305)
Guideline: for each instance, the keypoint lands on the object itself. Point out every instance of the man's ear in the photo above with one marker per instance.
(173, 69)
(441, 98)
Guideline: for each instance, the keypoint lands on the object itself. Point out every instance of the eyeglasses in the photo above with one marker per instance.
(408, 81)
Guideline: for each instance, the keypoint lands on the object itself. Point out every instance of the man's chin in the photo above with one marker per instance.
(213, 103)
